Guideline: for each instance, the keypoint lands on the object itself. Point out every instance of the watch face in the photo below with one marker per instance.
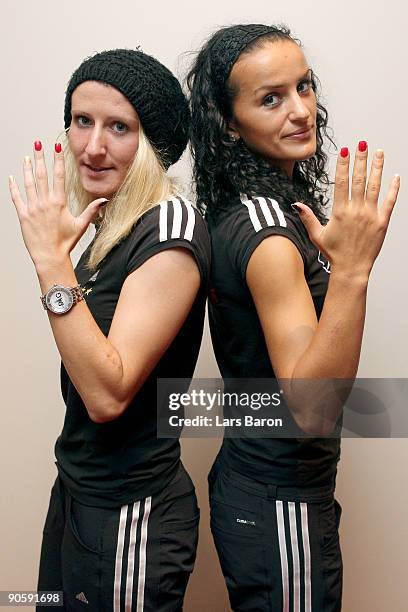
(59, 299)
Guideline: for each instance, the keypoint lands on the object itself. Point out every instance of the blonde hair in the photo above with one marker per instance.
(146, 183)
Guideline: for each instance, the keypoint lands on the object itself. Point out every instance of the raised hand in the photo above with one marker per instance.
(353, 237)
(50, 231)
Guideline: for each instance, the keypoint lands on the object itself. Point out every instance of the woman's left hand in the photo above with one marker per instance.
(50, 231)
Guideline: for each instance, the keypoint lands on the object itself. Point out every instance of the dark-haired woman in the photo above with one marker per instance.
(122, 525)
(286, 303)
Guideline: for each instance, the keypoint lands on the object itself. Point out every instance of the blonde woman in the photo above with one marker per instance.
(121, 529)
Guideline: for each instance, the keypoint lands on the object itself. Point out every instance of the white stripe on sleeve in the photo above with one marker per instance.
(279, 213)
(177, 217)
(252, 212)
(266, 211)
(163, 221)
(188, 234)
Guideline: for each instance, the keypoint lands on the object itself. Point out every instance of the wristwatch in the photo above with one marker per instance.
(60, 299)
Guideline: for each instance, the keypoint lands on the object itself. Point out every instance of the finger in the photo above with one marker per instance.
(391, 198)
(59, 172)
(374, 181)
(29, 183)
(309, 220)
(341, 183)
(359, 179)
(18, 201)
(90, 212)
(41, 175)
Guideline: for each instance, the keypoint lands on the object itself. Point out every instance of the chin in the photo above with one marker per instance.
(97, 191)
(306, 153)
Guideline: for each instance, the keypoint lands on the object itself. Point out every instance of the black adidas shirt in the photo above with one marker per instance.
(239, 342)
(115, 463)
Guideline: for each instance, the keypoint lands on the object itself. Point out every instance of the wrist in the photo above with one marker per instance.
(52, 264)
(55, 272)
(355, 276)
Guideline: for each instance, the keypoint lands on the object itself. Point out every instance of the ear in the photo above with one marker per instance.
(233, 132)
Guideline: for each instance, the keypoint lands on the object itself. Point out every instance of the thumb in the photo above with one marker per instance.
(86, 217)
(310, 221)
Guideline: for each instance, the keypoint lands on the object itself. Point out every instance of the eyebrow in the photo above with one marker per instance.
(305, 75)
(123, 119)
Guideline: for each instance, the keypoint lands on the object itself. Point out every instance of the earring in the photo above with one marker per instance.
(233, 138)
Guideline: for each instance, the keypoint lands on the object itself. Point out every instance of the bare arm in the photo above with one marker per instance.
(298, 345)
(153, 305)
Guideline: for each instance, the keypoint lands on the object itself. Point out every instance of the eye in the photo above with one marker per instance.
(304, 86)
(271, 100)
(82, 121)
(120, 127)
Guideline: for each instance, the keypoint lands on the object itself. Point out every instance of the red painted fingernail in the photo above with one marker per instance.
(38, 145)
(58, 147)
(344, 151)
(362, 146)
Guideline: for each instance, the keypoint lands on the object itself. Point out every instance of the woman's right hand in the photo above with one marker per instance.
(353, 237)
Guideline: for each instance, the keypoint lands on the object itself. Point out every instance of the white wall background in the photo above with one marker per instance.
(357, 49)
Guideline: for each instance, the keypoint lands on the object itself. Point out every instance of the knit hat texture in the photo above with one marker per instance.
(150, 87)
(229, 44)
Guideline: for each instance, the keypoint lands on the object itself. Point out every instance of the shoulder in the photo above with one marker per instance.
(253, 214)
(170, 223)
(252, 219)
(260, 213)
(173, 219)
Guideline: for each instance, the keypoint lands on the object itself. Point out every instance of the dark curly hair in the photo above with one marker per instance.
(223, 168)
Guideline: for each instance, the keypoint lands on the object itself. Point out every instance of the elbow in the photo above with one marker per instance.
(316, 421)
(106, 409)
(315, 406)
(317, 428)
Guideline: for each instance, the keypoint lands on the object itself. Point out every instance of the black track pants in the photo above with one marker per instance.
(278, 547)
(135, 558)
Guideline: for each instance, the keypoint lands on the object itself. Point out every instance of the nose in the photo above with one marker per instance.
(298, 109)
(96, 145)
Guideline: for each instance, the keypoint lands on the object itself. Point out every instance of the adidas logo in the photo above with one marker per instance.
(93, 278)
(81, 597)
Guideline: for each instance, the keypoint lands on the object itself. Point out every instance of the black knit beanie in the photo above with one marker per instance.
(150, 87)
(229, 44)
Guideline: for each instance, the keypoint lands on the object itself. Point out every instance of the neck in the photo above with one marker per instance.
(286, 165)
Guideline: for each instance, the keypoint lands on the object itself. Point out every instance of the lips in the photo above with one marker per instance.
(302, 132)
(96, 168)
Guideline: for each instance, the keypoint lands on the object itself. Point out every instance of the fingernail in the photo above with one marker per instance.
(344, 151)
(38, 145)
(296, 208)
(58, 147)
(379, 153)
(396, 177)
(362, 146)
(27, 160)
(104, 202)
(11, 178)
